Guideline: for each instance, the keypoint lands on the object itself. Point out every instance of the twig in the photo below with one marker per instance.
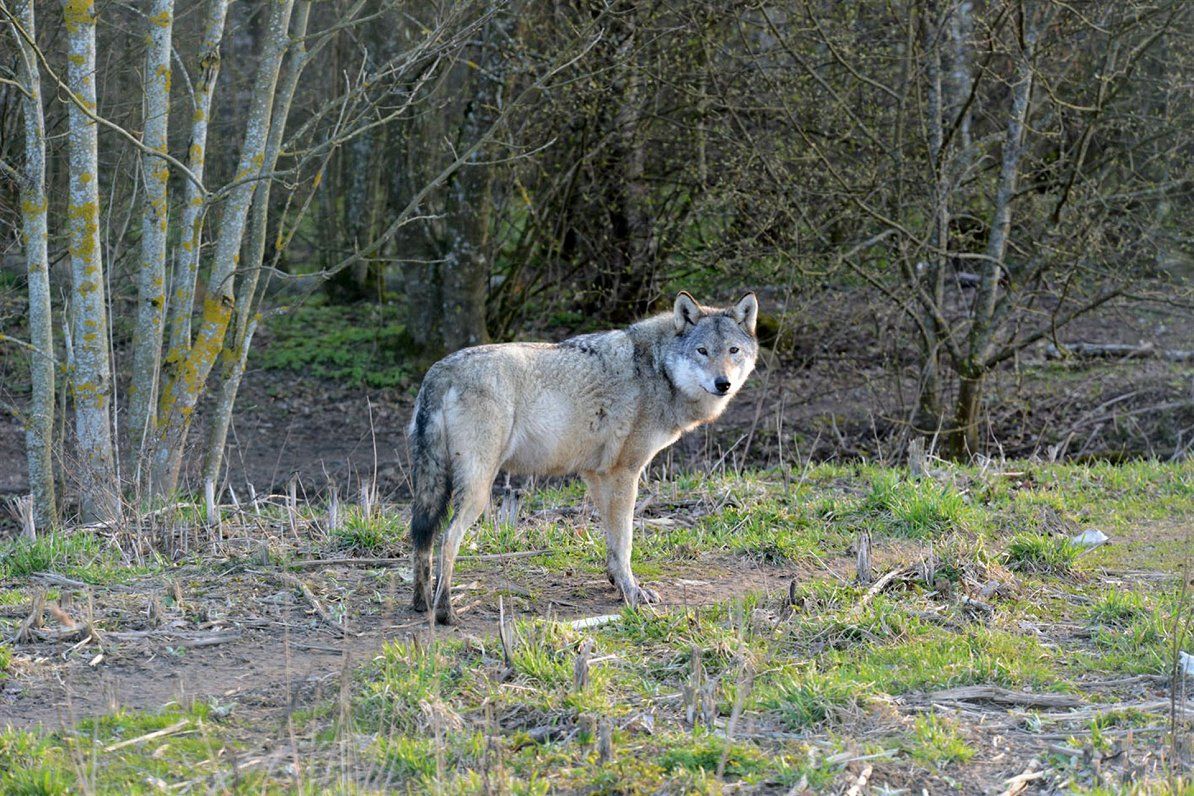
(860, 783)
(1019, 783)
(883, 583)
(385, 562)
(178, 726)
(297, 583)
(1003, 696)
(594, 621)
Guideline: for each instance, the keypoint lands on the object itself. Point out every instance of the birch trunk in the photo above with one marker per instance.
(39, 428)
(151, 287)
(236, 352)
(91, 376)
(181, 390)
(186, 259)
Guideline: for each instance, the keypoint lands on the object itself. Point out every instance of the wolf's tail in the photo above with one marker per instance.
(432, 474)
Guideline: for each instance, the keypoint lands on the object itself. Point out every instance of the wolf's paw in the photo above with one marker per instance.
(637, 595)
(445, 615)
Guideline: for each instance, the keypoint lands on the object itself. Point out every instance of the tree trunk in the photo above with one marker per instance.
(980, 342)
(39, 428)
(236, 352)
(962, 442)
(151, 286)
(465, 270)
(628, 286)
(933, 278)
(181, 390)
(91, 379)
(186, 260)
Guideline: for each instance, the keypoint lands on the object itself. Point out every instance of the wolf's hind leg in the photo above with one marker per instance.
(472, 498)
(614, 495)
(422, 572)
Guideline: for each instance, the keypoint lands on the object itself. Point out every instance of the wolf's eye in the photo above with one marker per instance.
(703, 351)
(733, 349)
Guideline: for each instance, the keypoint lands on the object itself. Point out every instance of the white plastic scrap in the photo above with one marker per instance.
(1186, 664)
(1090, 538)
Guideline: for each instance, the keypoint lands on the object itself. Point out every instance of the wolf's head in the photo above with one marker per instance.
(714, 349)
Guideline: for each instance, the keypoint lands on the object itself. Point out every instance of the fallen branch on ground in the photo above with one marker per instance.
(178, 726)
(312, 600)
(883, 583)
(389, 562)
(1003, 696)
(1117, 351)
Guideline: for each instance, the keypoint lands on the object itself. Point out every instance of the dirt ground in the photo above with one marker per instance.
(272, 651)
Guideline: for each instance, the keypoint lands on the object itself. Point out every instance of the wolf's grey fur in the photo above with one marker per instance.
(601, 405)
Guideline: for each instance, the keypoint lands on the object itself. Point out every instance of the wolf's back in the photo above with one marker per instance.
(432, 475)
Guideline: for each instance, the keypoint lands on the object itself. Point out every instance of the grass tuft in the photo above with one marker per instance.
(937, 742)
(1042, 555)
(917, 509)
(371, 535)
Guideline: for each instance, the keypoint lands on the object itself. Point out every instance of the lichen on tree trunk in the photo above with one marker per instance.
(91, 376)
(39, 427)
(151, 278)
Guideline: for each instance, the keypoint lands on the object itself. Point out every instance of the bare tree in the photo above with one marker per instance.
(185, 381)
(151, 287)
(39, 426)
(91, 376)
(236, 349)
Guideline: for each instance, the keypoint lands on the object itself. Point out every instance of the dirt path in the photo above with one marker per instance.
(284, 654)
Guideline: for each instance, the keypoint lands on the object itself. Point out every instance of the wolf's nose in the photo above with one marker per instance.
(722, 384)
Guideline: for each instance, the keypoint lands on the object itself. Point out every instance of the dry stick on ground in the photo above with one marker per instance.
(883, 583)
(860, 783)
(1002, 696)
(291, 580)
(1019, 783)
(178, 726)
(381, 562)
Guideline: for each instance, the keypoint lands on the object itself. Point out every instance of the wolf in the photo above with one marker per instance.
(598, 405)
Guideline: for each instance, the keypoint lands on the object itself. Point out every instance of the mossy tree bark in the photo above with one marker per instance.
(91, 377)
(186, 259)
(39, 426)
(184, 384)
(151, 280)
(235, 353)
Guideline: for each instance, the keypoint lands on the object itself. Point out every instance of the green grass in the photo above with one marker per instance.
(76, 554)
(832, 674)
(1040, 554)
(370, 535)
(917, 509)
(315, 339)
(937, 742)
(79, 760)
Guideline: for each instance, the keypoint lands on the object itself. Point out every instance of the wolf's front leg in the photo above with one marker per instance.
(614, 495)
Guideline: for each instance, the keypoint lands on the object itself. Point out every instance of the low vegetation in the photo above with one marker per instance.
(983, 639)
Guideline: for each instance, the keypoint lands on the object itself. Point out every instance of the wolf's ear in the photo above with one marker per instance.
(686, 311)
(746, 313)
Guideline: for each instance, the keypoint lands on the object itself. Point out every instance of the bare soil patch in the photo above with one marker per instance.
(269, 650)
